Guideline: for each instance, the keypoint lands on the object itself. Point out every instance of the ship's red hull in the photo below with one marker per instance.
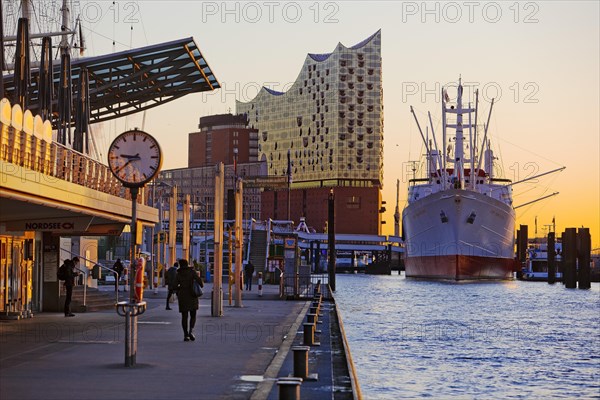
(460, 267)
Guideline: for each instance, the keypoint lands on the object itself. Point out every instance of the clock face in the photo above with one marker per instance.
(134, 157)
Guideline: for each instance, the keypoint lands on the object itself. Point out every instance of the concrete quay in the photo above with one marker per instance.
(237, 356)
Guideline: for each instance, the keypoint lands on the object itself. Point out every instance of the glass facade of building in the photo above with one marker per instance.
(330, 120)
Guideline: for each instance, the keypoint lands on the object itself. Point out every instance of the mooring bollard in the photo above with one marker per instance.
(313, 310)
(301, 361)
(317, 289)
(289, 388)
(309, 334)
(317, 304)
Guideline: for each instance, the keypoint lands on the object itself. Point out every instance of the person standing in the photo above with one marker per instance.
(118, 268)
(70, 275)
(171, 279)
(248, 272)
(188, 302)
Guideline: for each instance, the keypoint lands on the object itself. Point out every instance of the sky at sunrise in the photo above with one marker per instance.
(538, 59)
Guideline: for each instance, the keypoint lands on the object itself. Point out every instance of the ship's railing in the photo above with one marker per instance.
(26, 141)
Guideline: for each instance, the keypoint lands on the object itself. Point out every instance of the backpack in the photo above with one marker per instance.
(61, 274)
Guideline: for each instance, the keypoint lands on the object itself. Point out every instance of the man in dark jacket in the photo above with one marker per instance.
(171, 279)
(118, 268)
(248, 272)
(69, 283)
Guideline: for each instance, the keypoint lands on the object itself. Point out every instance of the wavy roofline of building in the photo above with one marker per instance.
(314, 57)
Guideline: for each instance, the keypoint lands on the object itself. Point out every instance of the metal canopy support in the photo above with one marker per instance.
(82, 115)
(46, 91)
(135, 80)
(22, 77)
(65, 100)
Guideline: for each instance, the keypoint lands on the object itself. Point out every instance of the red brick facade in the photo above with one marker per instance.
(356, 208)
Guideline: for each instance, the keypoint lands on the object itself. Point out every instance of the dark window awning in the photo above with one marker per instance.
(134, 80)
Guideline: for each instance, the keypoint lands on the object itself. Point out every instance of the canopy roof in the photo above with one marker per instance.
(133, 80)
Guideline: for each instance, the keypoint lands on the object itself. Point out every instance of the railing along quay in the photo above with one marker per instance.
(26, 141)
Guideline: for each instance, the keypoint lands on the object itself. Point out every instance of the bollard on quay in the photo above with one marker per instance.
(301, 361)
(316, 304)
(309, 335)
(313, 309)
(289, 388)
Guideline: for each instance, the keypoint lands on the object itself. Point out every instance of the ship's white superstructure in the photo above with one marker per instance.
(459, 221)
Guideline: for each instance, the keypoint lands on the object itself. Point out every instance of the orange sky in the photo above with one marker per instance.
(539, 59)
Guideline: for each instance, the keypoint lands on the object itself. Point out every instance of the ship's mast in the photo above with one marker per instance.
(444, 149)
(458, 147)
(474, 145)
(66, 15)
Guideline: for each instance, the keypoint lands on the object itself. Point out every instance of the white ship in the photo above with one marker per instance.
(459, 223)
(536, 266)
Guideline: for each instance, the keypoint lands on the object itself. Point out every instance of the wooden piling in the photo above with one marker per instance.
(551, 252)
(521, 249)
(569, 257)
(518, 243)
(584, 249)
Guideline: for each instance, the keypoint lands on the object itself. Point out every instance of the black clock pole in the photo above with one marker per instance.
(134, 190)
(134, 307)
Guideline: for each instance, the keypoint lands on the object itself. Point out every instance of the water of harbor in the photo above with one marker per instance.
(414, 338)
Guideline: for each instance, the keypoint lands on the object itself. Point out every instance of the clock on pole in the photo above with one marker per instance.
(134, 158)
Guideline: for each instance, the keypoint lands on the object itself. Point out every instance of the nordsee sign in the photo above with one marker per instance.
(49, 226)
(56, 225)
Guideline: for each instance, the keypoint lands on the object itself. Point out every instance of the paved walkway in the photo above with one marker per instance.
(53, 357)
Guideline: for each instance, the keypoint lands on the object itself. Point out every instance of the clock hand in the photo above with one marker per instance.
(136, 157)
(123, 166)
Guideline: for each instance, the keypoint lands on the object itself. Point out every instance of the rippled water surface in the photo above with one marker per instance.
(413, 338)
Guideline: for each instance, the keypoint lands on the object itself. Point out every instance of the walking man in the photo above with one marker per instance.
(171, 279)
(118, 268)
(70, 275)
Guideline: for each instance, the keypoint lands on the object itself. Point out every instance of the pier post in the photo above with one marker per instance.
(569, 257)
(331, 240)
(521, 249)
(584, 248)
(551, 251)
(301, 361)
(289, 388)
(309, 334)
